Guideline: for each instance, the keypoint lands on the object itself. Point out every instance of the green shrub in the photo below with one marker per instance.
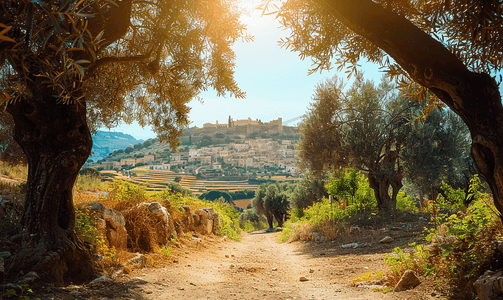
(85, 226)
(405, 202)
(353, 187)
(463, 244)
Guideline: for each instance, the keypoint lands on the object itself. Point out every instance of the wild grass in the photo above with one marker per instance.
(17, 172)
(87, 183)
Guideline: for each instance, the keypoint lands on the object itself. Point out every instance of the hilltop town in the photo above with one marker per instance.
(233, 149)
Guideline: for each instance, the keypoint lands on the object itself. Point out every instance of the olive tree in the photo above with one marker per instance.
(68, 65)
(363, 128)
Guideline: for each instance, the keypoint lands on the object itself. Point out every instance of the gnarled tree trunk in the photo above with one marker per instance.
(56, 141)
(380, 184)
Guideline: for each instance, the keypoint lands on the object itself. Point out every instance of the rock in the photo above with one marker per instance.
(202, 214)
(319, 238)
(139, 259)
(232, 266)
(208, 225)
(166, 203)
(186, 209)
(2, 269)
(227, 256)
(408, 281)
(311, 271)
(303, 278)
(422, 219)
(490, 285)
(355, 230)
(99, 280)
(111, 222)
(352, 245)
(206, 221)
(195, 218)
(274, 269)
(445, 240)
(28, 278)
(386, 240)
(5, 254)
(156, 209)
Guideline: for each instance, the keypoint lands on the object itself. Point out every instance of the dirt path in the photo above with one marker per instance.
(257, 268)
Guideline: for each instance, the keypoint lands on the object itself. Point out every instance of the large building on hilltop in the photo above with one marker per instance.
(246, 126)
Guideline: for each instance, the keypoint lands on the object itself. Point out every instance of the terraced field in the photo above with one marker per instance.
(157, 180)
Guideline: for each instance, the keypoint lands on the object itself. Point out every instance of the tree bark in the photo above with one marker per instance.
(474, 97)
(270, 219)
(56, 141)
(380, 184)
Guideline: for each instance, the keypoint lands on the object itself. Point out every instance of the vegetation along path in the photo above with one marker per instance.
(258, 267)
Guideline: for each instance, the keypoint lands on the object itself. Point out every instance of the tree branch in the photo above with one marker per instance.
(108, 60)
(425, 59)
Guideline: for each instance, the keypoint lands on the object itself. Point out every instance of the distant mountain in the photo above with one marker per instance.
(105, 142)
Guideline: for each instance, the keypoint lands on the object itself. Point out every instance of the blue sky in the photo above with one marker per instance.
(275, 81)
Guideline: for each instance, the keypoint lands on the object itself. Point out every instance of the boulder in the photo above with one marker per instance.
(386, 240)
(202, 214)
(29, 278)
(179, 229)
(165, 223)
(138, 259)
(166, 203)
(206, 221)
(355, 229)
(195, 218)
(490, 285)
(408, 280)
(111, 222)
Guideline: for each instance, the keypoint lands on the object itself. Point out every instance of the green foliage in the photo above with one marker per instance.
(273, 201)
(368, 276)
(177, 179)
(241, 195)
(89, 171)
(177, 188)
(462, 243)
(147, 144)
(314, 215)
(24, 289)
(404, 202)
(437, 151)
(250, 221)
(456, 198)
(309, 190)
(214, 195)
(166, 251)
(85, 226)
(353, 187)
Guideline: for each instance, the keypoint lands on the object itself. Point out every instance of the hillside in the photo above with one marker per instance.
(105, 142)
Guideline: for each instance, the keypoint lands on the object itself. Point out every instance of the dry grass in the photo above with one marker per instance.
(16, 172)
(145, 234)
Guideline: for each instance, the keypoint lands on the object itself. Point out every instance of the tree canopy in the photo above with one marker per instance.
(438, 150)
(147, 59)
